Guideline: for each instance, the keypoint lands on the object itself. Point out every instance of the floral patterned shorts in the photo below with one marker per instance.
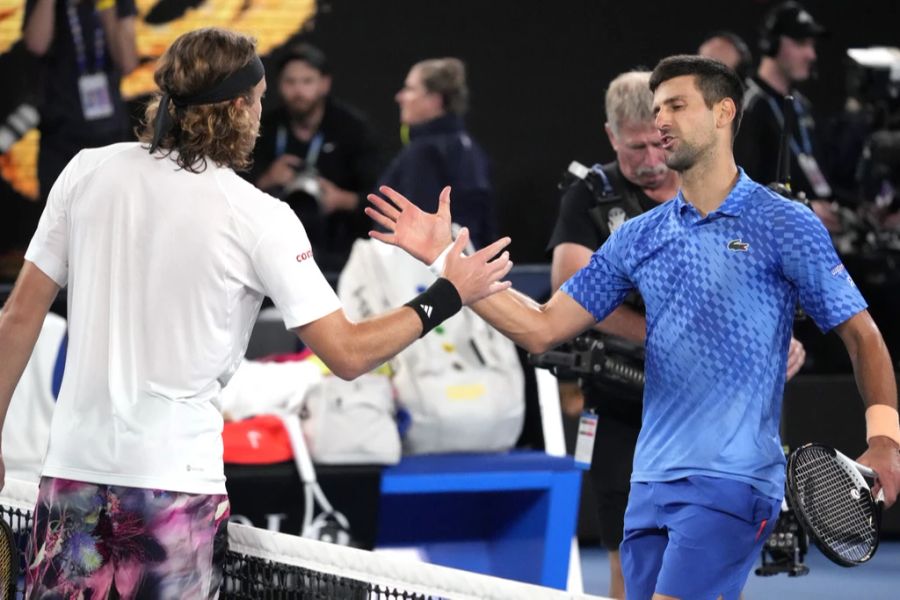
(93, 541)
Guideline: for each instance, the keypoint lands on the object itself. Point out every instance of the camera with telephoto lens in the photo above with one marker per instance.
(307, 182)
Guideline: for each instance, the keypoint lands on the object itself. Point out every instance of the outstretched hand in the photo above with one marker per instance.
(423, 235)
(477, 276)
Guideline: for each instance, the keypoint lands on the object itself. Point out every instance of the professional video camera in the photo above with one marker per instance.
(786, 547)
(873, 77)
(873, 82)
(599, 357)
(865, 157)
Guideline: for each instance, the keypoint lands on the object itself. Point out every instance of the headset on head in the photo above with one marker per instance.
(770, 32)
(769, 39)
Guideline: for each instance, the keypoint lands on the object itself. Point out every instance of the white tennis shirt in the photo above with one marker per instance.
(166, 271)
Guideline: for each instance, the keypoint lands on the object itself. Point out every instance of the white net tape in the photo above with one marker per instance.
(385, 571)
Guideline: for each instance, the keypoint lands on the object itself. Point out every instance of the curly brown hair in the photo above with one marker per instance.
(224, 132)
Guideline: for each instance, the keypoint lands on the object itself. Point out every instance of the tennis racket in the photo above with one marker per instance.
(833, 501)
(9, 562)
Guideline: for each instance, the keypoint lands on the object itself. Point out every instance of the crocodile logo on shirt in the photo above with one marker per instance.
(738, 246)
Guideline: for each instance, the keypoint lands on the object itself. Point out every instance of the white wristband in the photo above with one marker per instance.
(882, 420)
(437, 267)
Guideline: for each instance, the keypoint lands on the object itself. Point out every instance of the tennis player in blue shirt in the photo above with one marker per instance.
(721, 268)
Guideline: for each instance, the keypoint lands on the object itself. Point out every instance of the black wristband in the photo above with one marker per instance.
(436, 304)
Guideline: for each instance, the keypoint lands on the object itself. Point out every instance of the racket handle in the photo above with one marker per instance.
(871, 474)
(866, 471)
(863, 469)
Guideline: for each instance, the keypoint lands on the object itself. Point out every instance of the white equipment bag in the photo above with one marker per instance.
(462, 384)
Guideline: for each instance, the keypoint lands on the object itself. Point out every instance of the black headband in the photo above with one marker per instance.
(231, 87)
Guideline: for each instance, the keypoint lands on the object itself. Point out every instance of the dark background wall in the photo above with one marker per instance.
(538, 72)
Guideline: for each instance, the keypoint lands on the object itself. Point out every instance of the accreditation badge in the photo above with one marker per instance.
(96, 102)
(584, 445)
(814, 175)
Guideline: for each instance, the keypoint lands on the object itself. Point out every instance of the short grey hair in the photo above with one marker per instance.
(629, 100)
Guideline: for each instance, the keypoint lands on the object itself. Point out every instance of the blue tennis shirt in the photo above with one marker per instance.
(720, 292)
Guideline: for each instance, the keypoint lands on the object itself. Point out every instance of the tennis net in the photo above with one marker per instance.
(265, 565)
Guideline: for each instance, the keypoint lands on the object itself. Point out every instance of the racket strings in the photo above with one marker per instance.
(833, 501)
(9, 563)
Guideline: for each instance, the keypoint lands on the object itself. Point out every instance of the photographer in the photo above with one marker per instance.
(639, 180)
(318, 155)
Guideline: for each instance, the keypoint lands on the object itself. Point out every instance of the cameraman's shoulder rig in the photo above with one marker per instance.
(612, 207)
(597, 358)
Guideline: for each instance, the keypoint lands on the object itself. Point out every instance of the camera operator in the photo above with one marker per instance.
(638, 180)
(318, 155)
(788, 47)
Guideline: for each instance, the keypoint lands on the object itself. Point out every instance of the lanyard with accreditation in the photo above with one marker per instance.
(93, 85)
(804, 150)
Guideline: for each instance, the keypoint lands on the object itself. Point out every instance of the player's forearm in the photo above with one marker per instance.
(625, 322)
(20, 324)
(120, 36)
(873, 369)
(19, 331)
(378, 339)
(351, 349)
(39, 30)
(519, 318)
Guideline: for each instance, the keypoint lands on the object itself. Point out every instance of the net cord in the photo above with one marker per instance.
(387, 571)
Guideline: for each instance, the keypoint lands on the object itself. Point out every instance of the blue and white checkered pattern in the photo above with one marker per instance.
(720, 292)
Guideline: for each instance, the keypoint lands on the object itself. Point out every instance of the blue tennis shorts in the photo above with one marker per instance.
(693, 538)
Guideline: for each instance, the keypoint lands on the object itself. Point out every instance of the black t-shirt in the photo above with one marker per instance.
(348, 157)
(585, 221)
(61, 112)
(757, 144)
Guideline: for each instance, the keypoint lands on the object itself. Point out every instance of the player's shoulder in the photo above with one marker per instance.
(765, 200)
(104, 159)
(243, 194)
(782, 219)
(90, 158)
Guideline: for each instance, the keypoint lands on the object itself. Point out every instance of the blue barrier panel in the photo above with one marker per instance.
(511, 515)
